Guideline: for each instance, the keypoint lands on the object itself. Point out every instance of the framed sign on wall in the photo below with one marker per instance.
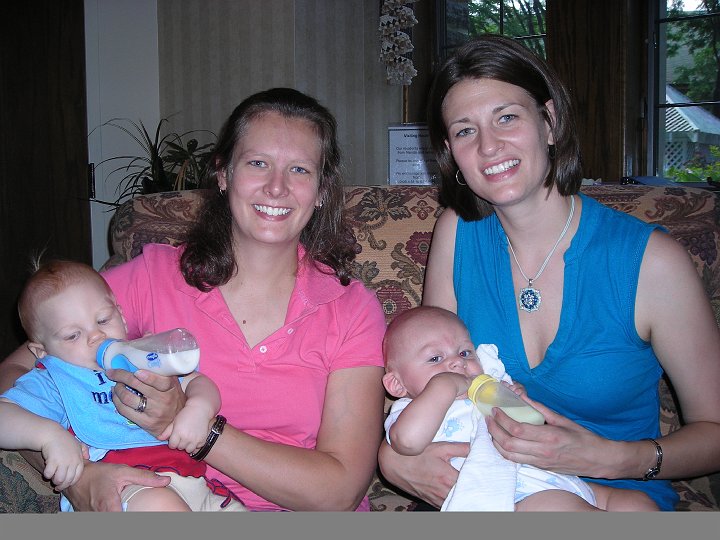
(411, 160)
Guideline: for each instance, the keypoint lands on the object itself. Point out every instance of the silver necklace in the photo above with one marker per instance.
(529, 298)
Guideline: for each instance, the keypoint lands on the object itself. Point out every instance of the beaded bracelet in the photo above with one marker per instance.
(215, 431)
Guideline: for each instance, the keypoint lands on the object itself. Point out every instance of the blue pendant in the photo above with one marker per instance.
(529, 299)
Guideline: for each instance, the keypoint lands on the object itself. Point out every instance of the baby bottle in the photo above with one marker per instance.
(487, 392)
(174, 352)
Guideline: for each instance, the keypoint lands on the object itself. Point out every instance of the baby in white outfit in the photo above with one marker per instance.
(430, 362)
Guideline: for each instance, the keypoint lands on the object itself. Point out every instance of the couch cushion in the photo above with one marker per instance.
(158, 218)
(393, 228)
(22, 488)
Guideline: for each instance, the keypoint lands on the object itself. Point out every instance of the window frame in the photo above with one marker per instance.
(441, 47)
(656, 52)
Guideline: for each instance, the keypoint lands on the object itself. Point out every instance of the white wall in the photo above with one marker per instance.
(215, 54)
(123, 80)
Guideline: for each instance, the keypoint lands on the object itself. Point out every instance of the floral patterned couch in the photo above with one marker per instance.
(393, 226)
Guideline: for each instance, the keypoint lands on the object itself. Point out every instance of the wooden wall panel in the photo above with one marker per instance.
(597, 49)
(43, 146)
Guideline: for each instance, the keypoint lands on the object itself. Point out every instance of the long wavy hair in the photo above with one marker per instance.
(208, 259)
(503, 59)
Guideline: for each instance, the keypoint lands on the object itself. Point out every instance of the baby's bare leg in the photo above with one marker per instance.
(555, 500)
(157, 500)
(623, 500)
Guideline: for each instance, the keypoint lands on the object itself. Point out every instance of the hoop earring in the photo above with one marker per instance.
(551, 151)
(457, 178)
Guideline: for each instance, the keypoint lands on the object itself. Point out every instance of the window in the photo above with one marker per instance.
(684, 74)
(460, 20)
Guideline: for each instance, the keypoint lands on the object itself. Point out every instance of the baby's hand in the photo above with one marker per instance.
(189, 430)
(64, 459)
(464, 382)
(461, 382)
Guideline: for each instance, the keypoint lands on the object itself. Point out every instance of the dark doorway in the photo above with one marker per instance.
(43, 145)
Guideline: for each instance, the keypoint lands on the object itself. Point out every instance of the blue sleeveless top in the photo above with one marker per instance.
(597, 372)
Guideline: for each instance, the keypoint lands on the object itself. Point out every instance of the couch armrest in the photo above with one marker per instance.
(22, 488)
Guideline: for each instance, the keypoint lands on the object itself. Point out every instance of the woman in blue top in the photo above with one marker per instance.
(582, 301)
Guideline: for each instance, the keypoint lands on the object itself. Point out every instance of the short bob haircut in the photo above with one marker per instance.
(208, 259)
(503, 59)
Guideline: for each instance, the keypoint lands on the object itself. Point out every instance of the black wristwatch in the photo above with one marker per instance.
(215, 431)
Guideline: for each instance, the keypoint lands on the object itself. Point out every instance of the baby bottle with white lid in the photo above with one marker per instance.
(173, 352)
(487, 392)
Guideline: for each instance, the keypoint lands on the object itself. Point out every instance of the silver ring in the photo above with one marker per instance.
(141, 406)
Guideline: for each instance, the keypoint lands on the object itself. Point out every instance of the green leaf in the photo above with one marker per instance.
(164, 161)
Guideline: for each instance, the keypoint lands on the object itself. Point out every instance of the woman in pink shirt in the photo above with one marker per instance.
(293, 343)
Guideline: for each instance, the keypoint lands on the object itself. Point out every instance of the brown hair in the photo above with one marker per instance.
(503, 59)
(208, 259)
(47, 280)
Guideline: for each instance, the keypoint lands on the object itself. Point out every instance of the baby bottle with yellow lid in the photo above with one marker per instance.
(487, 392)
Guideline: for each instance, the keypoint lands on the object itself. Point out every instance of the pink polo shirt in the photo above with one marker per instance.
(274, 391)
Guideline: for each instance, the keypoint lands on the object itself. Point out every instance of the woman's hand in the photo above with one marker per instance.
(560, 445)
(517, 388)
(100, 486)
(428, 476)
(164, 395)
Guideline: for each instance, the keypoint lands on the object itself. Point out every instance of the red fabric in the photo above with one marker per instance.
(158, 459)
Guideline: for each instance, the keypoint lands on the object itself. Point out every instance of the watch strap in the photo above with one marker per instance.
(652, 472)
(215, 431)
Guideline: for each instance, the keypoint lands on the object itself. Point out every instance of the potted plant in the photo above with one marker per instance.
(167, 162)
